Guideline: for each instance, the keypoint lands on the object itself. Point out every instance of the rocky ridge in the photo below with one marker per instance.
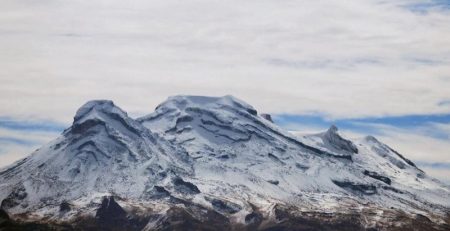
(214, 163)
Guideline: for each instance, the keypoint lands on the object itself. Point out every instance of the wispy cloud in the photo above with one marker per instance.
(342, 60)
(30, 125)
(324, 63)
(435, 165)
(430, 125)
(12, 140)
(444, 103)
(19, 137)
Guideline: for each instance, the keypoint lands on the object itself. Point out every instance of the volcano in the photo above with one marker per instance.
(214, 163)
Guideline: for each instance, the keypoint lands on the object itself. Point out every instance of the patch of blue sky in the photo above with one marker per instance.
(365, 125)
(290, 121)
(425, 6)
(25, 125)
(408, 120)
(16, 141)
(435, 165)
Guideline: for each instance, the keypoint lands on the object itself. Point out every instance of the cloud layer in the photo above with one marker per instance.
(343, 59)
(337, 59)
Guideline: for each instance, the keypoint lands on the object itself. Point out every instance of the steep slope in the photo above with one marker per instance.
(214, 163)
(103, 152)
(234, 147)
(386, 171)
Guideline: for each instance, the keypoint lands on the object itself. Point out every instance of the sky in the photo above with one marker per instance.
(372, 67)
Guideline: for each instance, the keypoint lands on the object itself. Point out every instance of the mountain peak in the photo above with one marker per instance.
(332, 137)
(390, 153)
(102, 113)
(332, 133)
(183, 101)
(98, 106)
(332, 130)
(371, 139)
(218, 158)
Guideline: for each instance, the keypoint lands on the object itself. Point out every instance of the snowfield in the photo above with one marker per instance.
(214, 159)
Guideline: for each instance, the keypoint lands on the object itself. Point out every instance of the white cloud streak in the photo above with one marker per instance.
(341, 58)
(30, 140)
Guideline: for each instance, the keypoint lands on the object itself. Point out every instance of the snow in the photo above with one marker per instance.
(223, 147)
(98, 105)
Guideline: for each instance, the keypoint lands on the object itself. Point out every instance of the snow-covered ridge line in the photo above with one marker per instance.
(211, 154)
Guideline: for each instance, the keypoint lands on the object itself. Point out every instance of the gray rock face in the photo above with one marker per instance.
(332, 138)
(185, 187)
(268, 117)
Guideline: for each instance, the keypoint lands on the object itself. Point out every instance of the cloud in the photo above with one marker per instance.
(18, 138)
(428, 5)
(434, 125)
(437, 165)
(337, 59)
(444, 103)
(30, 125)
(12, 153)
(416, 144)
(343, 59)
(7, 140)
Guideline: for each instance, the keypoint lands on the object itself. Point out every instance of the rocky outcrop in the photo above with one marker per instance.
(332, 138)
(268, 117)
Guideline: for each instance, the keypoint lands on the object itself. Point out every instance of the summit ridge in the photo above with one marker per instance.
(215, 162)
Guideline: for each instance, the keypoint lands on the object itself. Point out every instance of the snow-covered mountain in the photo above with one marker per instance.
(214, 163)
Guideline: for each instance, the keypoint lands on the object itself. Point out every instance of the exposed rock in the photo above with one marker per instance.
(64, 207)
(111, 216)
(301, 166)
(184, 187)
(225, 206)
(377, 176)
(253, 219)
(109, 210)
(4, 217)
(275, 159)
(334, 139)
(365, 189)
(389, 188)
(80, 128)
(178, 219)
(268, 117)
(14, 198)
(159, 192)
